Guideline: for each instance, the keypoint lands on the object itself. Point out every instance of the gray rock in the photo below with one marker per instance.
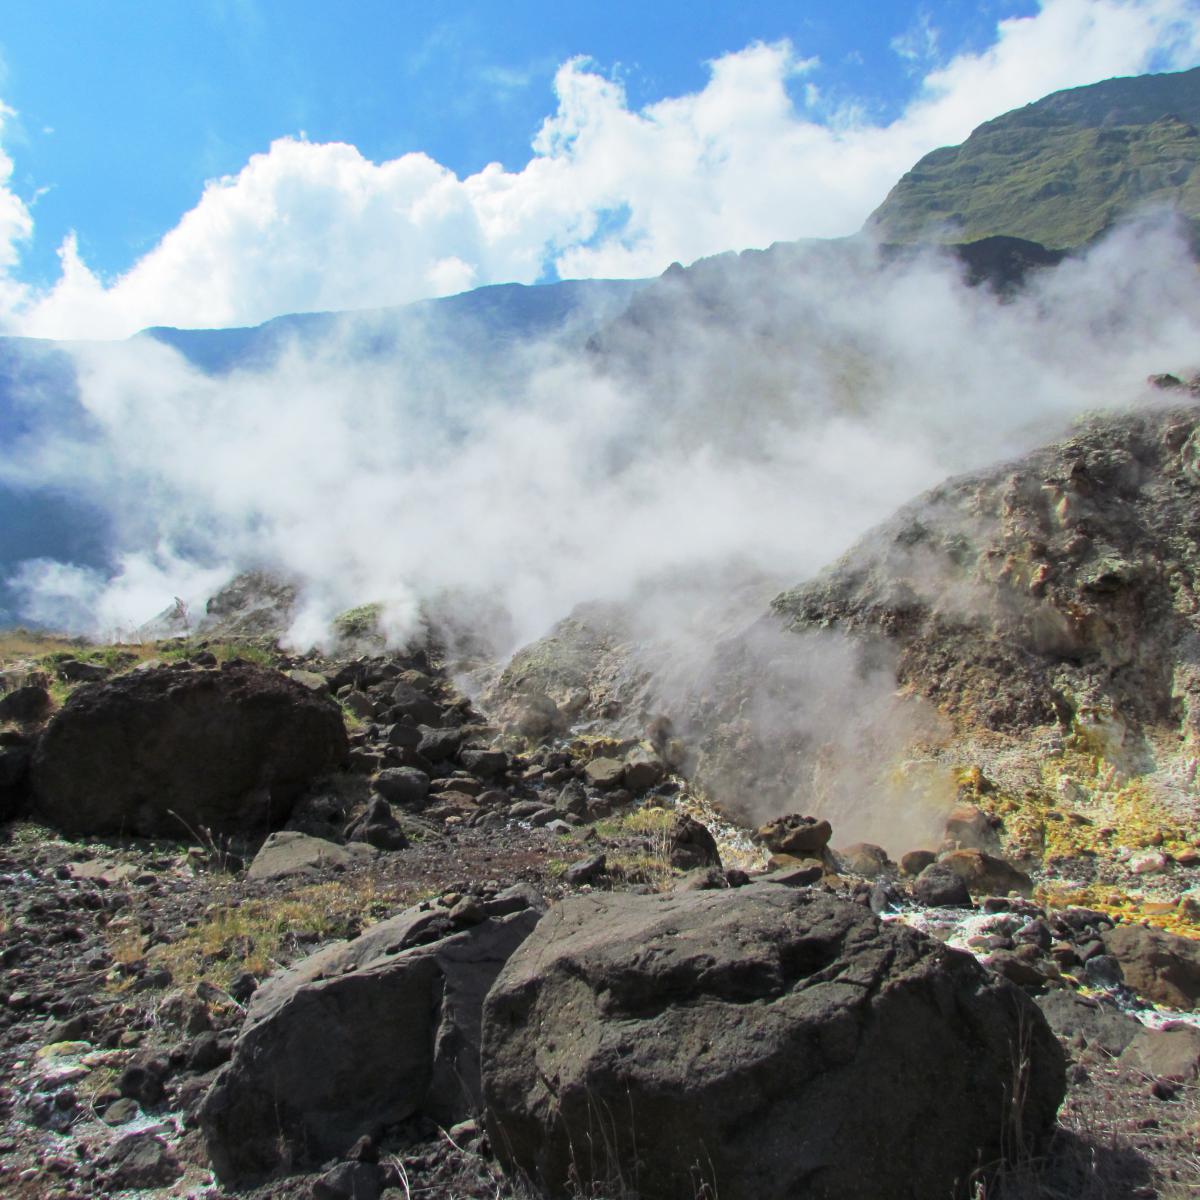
(1171, 1053)
(586, 870)
(407, 737)
(804, 873)
(865, 858)
(405, 786)
(286, 855)
(940, 886)
(820, 1052)
(360, 704)
(1103, 1027)
(642, 770)
(74, 671)
(408, 701)
(309, 679)
(121, 1112)
(377, 827)
(573, 799)
(605, 772)
(702, 879)
(363, 1034)
(487, 764)
(142, 1160)
(439, 745)
(348, 1181)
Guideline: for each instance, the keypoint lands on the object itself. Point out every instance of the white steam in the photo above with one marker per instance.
(826, 391)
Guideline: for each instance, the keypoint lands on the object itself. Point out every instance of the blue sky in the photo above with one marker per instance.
(667, 131)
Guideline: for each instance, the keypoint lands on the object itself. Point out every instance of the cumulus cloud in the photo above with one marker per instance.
(16, 227)
(609, 189)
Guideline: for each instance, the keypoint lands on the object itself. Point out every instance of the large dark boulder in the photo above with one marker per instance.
(168, 750)
(762, 1043)
(15, 758)
(363, 1035)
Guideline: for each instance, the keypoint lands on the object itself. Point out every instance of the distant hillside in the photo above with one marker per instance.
(1060, 171)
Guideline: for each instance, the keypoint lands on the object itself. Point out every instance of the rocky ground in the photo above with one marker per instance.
(129, 963)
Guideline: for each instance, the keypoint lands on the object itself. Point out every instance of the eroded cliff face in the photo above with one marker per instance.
(1052, 590)
(1027, 637)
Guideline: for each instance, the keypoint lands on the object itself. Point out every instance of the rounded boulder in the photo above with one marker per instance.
(762, 1043)
(171, 751)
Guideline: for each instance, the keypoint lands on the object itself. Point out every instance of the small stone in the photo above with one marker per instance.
(143, 1160)
(121, 1112)
(586, 870)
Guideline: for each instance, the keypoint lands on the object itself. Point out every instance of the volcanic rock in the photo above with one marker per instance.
(1160, 966)
(938, 886)
(405, 786)
(642, 770)
(801, 836)
(487, 764)
(361, 1035)
(776, 1013)
(986, 875)
(863, 858)
(691, 845)
(1170, 1053)
(605, 772)
(165, 751)
(377, 827)
(26, 705)
(285, 855)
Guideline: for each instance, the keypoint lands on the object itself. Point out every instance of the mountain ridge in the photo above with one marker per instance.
(1061, 171)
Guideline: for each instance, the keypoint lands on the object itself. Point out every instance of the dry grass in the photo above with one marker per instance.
(261, 935)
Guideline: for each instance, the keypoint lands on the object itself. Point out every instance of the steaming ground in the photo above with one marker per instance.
(747, 420)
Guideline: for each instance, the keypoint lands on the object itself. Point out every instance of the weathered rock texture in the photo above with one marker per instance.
(165, 751)
(1020, 595)
(362, 1035)
(1161, 966)
(766, 1042)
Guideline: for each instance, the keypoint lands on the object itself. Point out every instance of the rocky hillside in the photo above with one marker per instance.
(1022, 638)
(1060, 171)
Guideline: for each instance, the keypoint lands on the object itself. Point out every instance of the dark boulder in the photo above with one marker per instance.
(761, 1043)
(438, 745)
(165, 751)
(406, 786)
(487, 764)
(408, 702)
(377, 827)
(14, 780)
(361, 1035)
(939, 886)
(691, 845)
(26, 705)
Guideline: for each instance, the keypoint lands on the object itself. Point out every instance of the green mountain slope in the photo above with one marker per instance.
(1060, 171)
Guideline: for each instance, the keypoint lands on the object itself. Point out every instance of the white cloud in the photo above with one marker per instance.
(308, 226)
(16, 226)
